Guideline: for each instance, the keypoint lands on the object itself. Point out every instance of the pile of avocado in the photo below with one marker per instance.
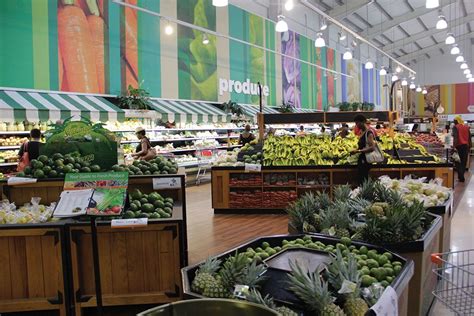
(158, 165)
(151, 206)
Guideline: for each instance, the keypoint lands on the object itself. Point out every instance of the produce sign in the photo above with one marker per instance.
(349, 279)
(94, 143)
(98, 194)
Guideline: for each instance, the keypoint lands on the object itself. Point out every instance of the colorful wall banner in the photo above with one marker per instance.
(454, 98)
(102, 47)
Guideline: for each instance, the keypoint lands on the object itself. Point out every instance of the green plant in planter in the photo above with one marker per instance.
(367, 106)
(344, 106)
(355, 106)
(286, 107)
(232, 107)
(135, 99)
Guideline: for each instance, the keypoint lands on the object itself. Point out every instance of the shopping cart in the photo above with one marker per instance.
(455, 288)
(205, 159)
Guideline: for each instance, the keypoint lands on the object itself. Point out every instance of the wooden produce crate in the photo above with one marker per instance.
(446, 213)
(31, 269)
(138, 266)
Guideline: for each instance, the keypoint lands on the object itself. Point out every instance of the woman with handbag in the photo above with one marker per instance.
(144, 151)
(29, 150)
(366, 146)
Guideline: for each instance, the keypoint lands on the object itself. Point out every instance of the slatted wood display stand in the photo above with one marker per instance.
(138, 266)
(32, 269)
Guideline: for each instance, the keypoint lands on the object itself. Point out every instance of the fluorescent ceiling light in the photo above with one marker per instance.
(455, 50)
(450, 39)
(460, 59)
(394, 77)
(369, 65)
(220, 3)
(347, 55)
(418, 89)
(320, 42)
(412, 86)
(383, 72)
(281, 25)
(441, 24)
(431, 4)
(289, 5)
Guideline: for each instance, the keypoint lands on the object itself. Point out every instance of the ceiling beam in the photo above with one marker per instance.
(384, 12)
(364, 21)
(425, 50)
(353, 25)
(409, 5)
(387, 25)
(347, 9)
(424, 34)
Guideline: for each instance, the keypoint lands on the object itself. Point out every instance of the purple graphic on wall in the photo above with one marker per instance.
(290, 46)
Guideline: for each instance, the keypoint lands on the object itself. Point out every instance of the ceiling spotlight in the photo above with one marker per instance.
(369, 65)
(412, 78)
(347, 55)
(424, 91)
(342, 36)
(281, 25)
(220, 3)
(412, 85)
(418, 89)
(168, 29)
(354, 43)
(394, 77)
(441, 24)
(324, 25)
(398, 69)
(450, 39)
(460, 59)
(467, 71)
(382, 72)
(468, 76)
(470, 80)
(463, 66)
(320, 42)
(404, 82)
(431, 4)
(205, 39)
(455, 50)
(289, 5)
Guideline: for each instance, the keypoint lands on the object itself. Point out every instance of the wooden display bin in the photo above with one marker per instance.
(32, 269)
(445, 211)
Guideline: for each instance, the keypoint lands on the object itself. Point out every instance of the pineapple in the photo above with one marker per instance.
(340, 271)
(205, 274)
(337, 216)
(216, 289)
(232, 272)
(252, 275)
(255, 296)
(342, 193)
(313, 291)
(375, 211)
(342, 232)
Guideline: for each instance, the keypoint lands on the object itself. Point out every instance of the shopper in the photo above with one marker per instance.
(144, 151)
(29, 150)
(246, 136)
(462, 143)
(301, 132)
(366, 144)
(415, 128)
(344, 131)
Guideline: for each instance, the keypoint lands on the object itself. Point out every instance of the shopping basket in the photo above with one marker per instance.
(455, 288)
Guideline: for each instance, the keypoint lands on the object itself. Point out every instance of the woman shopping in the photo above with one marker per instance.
(29, 150)
(144, 151)
(366, 145)
(246, 136)
(462, 143)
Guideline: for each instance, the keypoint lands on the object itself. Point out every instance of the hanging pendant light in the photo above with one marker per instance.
(382, 72)
(431, 4)
(324, 24)
(468, 76)
(369, 65)
(424, 91)
(450, 39)
(418, 89)
(463, 66)
(404, 82)
(289, 5)
(460, 59)
(470, 80)
(320, 42)
(347, 55)
(220, 3)
(342, 35)
(281, 25)
(205, 39)
(394, 77)
(398, 69)
(467, 71)
(168, 29)
(412, 86)
(442, 23)
(455, 50)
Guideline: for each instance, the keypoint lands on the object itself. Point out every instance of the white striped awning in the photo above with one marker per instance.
(28, 105)
(301, 110)
(251, 110)
(188, 112)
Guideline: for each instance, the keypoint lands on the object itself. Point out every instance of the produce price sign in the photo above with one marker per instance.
(387, 305)
(96, 194)
(166, 183)
(253, 167)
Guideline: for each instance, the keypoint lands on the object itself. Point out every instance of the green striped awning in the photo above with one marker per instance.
(297, 110)
(251, 110)
(188, 111)
(36, 106)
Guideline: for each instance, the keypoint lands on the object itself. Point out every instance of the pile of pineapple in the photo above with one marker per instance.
(347, 280)
(373, 213)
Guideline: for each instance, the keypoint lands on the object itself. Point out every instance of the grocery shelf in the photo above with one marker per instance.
(14, 133)
(179, 139)
(313, 186)
(184, 129)
(8, 164)
(9, 147)
(189, 164)
(195, 149)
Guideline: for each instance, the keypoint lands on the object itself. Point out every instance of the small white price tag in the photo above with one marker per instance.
(129, 222)
(166, 183)
(387, 305)
(253, 167)
(20, 180)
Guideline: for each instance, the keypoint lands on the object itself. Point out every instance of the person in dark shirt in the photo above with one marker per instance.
(33, 145)
(246, 136)
(365, 145)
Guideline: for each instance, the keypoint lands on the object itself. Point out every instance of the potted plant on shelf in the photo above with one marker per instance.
(286, 107)
(233, 108)
(135, 99)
